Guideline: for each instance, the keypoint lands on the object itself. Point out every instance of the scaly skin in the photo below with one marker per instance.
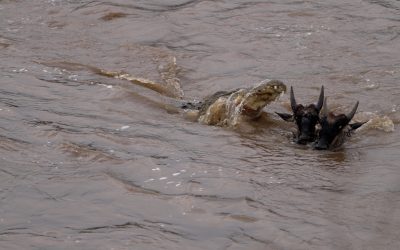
(226, 108)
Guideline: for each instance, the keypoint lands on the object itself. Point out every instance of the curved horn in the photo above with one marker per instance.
(352, 112)
(293, 103)
(321, 99)
(325, 108)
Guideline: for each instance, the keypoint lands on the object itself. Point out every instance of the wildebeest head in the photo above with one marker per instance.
(334, 128)
(305, 117)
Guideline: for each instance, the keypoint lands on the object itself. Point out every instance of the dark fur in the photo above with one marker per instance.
(335, 128)
(305, 117)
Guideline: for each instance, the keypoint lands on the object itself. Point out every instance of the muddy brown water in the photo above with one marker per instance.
(90, 162)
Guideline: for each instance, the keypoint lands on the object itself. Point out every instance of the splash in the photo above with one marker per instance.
(235, 108)
(174, 92)
(169, 71)
(382, 123)
(225, 111)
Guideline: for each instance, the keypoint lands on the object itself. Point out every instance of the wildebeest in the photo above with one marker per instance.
(335, 128)
(305, 117)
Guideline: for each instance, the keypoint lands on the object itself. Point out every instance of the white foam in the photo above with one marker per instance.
(125, 127)
(374, 121)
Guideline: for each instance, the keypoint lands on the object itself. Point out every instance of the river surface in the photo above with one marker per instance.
(91, 162)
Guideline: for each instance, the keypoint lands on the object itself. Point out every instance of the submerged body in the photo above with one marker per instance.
(224, 108)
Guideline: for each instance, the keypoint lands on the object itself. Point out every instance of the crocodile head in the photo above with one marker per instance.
(256, 98)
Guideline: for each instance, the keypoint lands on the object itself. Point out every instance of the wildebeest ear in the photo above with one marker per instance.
(356, 125)
(285, 116)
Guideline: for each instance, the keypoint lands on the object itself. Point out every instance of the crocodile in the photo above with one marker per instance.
(223, 108)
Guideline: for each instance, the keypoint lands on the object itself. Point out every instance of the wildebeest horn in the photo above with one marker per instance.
(325, 108)
(321, 99)
(352, 112)
(293, 103)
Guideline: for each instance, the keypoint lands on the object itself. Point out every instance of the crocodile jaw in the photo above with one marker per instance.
(253, 103)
